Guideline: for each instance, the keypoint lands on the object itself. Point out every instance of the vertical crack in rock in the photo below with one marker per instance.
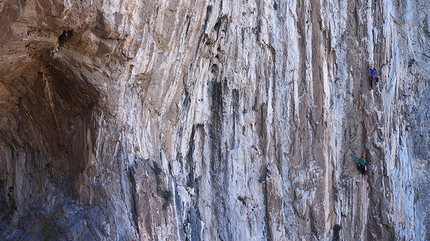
(194, 218)
(218, 162)
(134, 199)
(236, 115)
(203, 33)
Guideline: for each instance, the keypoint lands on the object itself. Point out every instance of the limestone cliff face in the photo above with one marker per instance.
(214, 120)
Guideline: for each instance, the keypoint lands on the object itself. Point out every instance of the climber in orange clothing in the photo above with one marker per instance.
(362, 164)
(373, 77)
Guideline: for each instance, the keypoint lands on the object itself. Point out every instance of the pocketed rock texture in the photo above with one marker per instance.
(214, 120)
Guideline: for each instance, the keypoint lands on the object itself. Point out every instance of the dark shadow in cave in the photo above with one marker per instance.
(49, 131)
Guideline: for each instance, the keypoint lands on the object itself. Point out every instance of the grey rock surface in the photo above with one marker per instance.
(214, 120)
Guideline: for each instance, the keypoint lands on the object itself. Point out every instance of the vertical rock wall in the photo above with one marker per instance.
(215, 120)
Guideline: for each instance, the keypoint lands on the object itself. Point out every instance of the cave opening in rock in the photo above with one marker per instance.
(45, 134)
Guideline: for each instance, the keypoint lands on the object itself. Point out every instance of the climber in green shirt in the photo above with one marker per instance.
(362, 164)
